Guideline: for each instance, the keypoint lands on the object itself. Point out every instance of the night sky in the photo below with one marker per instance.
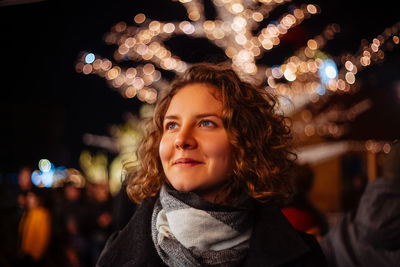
(46, 106)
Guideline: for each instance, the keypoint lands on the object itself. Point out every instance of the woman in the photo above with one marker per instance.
(211, 175)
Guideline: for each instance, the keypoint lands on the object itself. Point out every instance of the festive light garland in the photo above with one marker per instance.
(299, 79)
(308, 76)
(231, 30)
(334, 121)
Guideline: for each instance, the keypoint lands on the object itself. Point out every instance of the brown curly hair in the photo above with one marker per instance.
(259, 137)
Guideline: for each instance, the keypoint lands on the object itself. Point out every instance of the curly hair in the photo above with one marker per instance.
(259, 137)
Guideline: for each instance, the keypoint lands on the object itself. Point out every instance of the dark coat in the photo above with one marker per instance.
(274, 242)
(370, 236)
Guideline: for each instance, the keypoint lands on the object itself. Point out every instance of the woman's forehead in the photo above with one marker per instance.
(196, 97)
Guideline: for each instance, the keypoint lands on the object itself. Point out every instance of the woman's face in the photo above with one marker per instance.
(194, 148)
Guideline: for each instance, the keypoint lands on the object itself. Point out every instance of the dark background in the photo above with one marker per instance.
(46, 107)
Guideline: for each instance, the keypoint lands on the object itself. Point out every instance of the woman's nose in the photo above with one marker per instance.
(185, 139)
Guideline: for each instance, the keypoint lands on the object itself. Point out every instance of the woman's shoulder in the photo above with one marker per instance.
(132, 246)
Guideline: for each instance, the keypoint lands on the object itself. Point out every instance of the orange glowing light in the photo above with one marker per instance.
(140, 18)
(312, 9)
(87, 69)
(130, 92)
(312, 44)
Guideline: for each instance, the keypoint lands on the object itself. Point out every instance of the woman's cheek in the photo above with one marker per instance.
(164, 151)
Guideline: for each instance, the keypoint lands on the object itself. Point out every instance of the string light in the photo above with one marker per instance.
(232, 30)
(308, 76)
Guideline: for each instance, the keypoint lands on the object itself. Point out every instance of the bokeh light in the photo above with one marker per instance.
(48, 175)
(328, 71)
(90, 58)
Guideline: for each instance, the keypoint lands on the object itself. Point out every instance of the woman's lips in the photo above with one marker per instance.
(187, 162)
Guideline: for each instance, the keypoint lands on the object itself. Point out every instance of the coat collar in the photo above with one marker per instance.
(133, 245)
(269, 246)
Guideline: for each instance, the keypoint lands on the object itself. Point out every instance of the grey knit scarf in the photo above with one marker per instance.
(189, 231)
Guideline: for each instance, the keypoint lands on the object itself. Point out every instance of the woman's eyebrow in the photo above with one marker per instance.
(171, 117)
(200, 115)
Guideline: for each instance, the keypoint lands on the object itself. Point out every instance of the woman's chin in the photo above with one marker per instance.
(182, 187)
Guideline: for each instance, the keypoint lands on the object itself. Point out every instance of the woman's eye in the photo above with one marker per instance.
(171, 126)
(207, 123)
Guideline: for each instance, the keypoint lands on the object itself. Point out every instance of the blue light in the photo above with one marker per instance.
(47, 174)
(328, 71)
(36, 178)
(47, 178)
(89, 58)
(321, 89)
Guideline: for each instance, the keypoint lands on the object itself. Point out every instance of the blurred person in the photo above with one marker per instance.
(74, 205)
(370, 235)
(300, 212)
(210, 180)
(25, 185)
(12, 207)
(100, 206)
(34, 230)
(353, 181)
(71, 227)
(76, 247)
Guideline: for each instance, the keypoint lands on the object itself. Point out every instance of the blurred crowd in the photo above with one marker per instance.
(65, 226)
(69, 225)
